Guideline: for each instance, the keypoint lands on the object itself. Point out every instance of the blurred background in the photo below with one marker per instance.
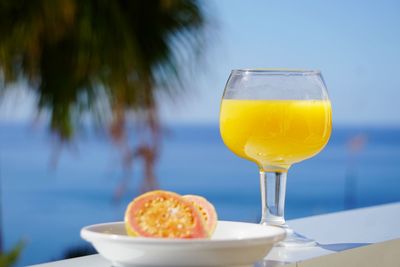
(102, 100)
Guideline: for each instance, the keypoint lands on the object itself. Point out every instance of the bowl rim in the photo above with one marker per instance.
(276, 234)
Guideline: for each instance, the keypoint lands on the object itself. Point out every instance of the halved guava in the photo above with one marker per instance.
(164, 214)
(207, 211)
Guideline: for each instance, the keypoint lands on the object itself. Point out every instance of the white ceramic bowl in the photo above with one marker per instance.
(233, 244)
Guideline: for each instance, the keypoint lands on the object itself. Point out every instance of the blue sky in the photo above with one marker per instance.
(356, 45)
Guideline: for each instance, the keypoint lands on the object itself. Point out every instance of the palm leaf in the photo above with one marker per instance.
(90, 57)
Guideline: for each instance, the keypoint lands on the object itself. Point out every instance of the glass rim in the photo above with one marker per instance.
(277, 71)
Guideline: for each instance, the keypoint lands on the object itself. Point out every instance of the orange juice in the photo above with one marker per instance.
(275, 133)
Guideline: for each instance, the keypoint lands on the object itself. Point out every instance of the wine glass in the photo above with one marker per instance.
(275, 118)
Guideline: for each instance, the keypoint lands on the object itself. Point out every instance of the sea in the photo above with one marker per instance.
(50, 190)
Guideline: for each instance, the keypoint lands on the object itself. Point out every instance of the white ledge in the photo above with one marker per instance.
(353, 231)
(362, 237)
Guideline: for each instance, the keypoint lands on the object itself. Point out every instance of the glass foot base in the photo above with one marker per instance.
(294, 239)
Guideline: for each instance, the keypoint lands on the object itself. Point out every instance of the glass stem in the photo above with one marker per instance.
(273, 190)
